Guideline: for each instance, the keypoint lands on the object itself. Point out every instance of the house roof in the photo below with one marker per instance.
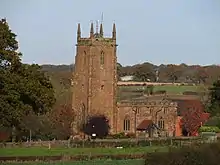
(145, 124)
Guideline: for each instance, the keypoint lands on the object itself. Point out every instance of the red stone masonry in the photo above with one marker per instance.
(95, 88)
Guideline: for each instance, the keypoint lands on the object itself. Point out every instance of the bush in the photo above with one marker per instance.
(160, 92)
(121, 135)
(213, 121)
(132, 142)
(209, 129)
(196, 155)
(190, 93)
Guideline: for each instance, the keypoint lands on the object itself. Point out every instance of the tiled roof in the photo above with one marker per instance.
(145, 124)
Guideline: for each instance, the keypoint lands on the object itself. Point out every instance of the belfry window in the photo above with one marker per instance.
(102, 58)
(127, 124)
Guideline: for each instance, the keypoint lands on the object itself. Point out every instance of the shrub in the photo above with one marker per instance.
(160, 92)
(190, 93)
(121, 135)
(209, 129)
(196, 155)
(132, 142)
(213, 121)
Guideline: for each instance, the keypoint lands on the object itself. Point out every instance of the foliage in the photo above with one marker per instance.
(214, 108)
(97, 161)
(172, 72)
(144, 73)
(209, 129)
(196, 155)
(36, 126)
(98, 125)
(61, 118)
(192, 118)
(24, 88)
(213, 121)
(149, 90)
(122, 135)
(53, 125)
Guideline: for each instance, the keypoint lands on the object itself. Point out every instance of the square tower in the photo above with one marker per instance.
(95, 77)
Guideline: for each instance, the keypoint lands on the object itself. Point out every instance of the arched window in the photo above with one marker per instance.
(127, 124)
(161, 123)
(102, 58)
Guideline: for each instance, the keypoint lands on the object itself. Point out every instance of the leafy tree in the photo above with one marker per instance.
(192, 117)
(173, 72)
(214, 108)
(35, 127)
(119, 71)
(149, 90)
(62, 118)
(201, 75)
(144, 72)
(23, 88)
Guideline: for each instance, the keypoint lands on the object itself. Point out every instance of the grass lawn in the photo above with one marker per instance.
(94, 162)
(77, 151)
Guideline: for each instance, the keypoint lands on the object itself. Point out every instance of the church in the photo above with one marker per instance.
(95, 90)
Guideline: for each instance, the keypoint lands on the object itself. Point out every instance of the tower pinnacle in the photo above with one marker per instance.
(101, 30)
(91, 30)
(114, 32)
(78, 32)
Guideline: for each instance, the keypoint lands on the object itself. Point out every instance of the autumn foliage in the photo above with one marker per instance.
(193, 117)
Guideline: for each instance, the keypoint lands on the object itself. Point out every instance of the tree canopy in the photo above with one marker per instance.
(24, 88)
(214, 108)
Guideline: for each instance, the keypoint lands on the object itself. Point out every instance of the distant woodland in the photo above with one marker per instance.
(60, 75)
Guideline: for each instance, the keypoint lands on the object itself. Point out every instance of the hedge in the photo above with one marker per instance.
(131, 142)
(134, 142)
(197, 155)
(209, 129)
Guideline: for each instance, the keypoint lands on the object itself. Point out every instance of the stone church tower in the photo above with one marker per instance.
(94, 77)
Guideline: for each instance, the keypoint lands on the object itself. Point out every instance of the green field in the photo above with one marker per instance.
(77, 151)
(94, 162)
